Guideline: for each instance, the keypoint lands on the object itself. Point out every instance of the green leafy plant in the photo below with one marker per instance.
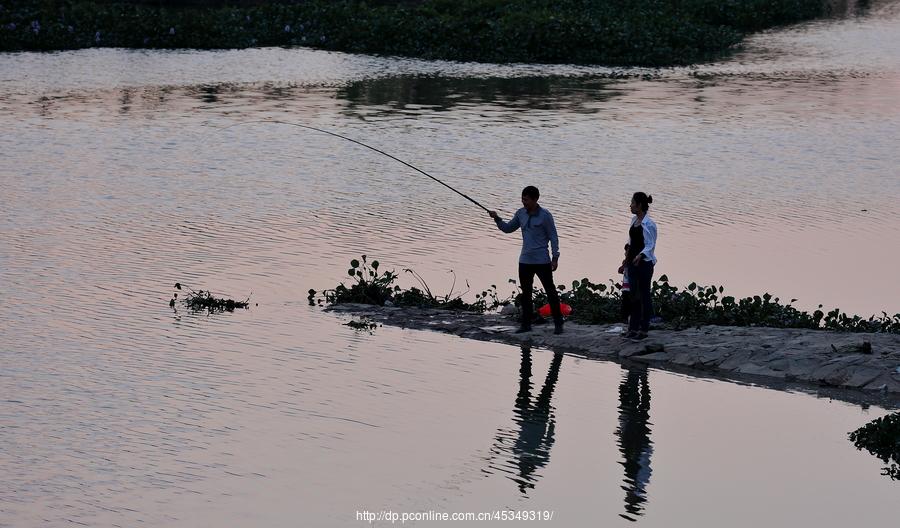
(373, 287)
(370, 286)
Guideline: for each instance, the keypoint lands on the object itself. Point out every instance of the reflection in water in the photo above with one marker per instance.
(529, 445)
(634, 438)
(570, 94)
(209, 94)
(881, 437)
(850, 8)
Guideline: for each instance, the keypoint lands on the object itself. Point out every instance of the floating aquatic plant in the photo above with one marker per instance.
(204, 300)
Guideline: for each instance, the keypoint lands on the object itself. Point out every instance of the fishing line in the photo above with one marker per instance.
(358, 143)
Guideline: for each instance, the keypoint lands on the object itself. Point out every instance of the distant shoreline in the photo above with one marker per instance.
(649, 33)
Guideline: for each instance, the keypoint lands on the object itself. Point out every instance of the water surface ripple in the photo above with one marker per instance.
(772, 171)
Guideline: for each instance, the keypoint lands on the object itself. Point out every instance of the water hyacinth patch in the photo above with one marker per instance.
(370, 286)
(201, 300)
(373, 287)
(596, 303)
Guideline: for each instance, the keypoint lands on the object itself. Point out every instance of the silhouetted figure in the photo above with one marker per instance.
(538, 230)
(530, 444)
(640, 262)
(634, 439)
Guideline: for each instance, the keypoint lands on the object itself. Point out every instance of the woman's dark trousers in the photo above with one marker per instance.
(526, 281)
(640, 277)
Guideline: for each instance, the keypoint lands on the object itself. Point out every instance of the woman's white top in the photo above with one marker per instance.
(649, 226)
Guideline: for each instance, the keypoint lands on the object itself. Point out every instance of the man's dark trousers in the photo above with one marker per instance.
(526, 281)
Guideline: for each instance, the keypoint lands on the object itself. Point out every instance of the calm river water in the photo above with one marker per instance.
(773, 171)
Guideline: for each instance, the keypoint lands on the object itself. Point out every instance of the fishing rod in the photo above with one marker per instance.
(358, 143)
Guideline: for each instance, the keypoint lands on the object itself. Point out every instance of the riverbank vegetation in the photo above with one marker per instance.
(594, 303)
(610, 32)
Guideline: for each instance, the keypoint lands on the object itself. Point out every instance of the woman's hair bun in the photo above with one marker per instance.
(649, 199)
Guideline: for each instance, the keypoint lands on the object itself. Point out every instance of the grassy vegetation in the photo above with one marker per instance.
(592, 303)
(611, 32)
(373, 287)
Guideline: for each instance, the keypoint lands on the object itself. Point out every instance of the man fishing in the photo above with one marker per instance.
(538, 229)
(537, 226)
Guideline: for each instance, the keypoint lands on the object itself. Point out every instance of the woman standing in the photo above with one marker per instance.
(640, 261)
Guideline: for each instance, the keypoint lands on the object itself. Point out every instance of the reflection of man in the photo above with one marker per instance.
(634, 438)
(530, 444)
(538, 230)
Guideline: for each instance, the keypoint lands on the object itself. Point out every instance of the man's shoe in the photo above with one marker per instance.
(630, 334)
(639, 336)
(522, 329)
(558, 328)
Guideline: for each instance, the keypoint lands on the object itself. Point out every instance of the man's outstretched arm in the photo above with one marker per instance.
(506, 227)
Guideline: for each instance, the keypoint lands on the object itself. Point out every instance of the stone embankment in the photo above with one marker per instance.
(868, 362)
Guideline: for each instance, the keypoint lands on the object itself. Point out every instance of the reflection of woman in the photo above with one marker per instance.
(640, 261)
(530, 444)
(634, 438)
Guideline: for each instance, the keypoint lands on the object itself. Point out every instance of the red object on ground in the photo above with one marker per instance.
(544, 311)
